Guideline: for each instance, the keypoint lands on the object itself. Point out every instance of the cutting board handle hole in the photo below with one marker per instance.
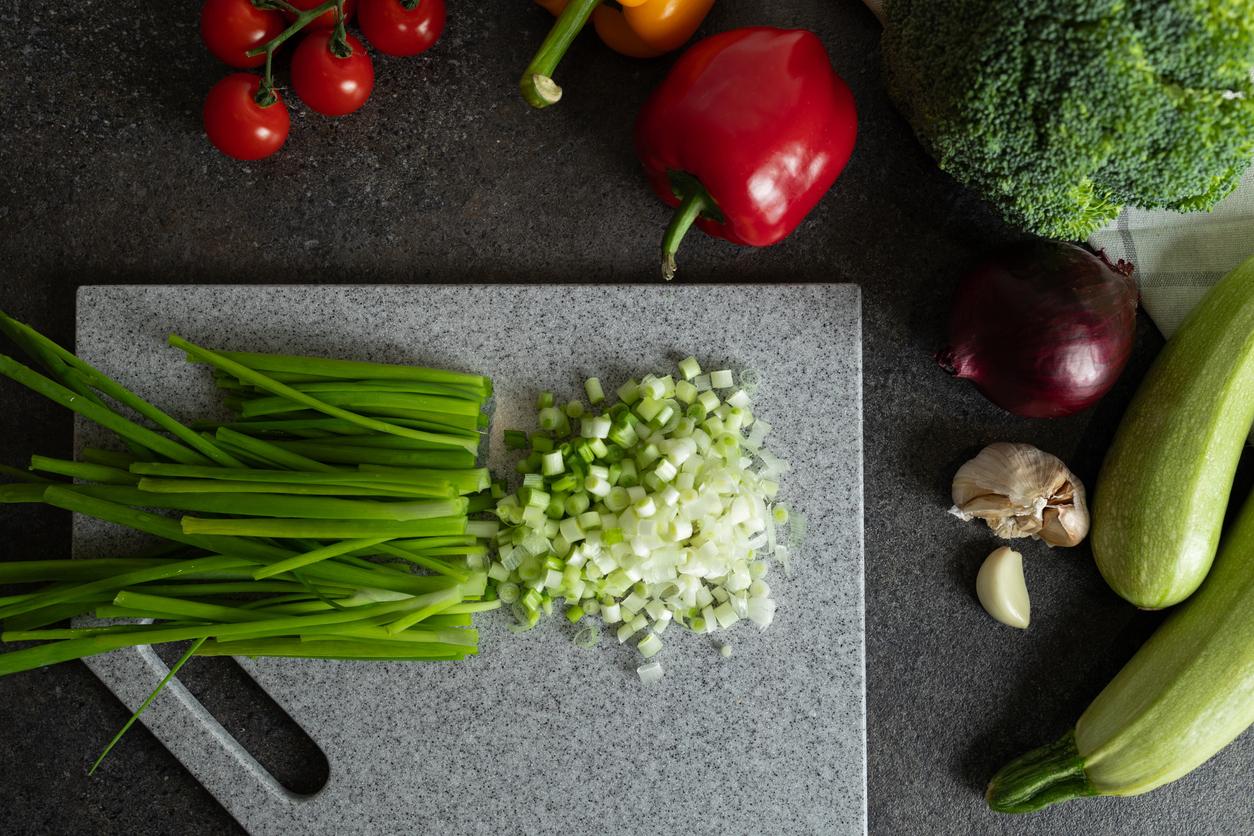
(254, 719)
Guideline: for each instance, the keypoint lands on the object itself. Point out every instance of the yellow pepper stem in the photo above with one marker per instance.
(537, 84)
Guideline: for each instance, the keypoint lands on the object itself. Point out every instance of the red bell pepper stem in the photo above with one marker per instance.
(537, 84)
(692, 203)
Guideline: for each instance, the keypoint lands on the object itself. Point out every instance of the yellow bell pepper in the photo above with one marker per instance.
(637, 28)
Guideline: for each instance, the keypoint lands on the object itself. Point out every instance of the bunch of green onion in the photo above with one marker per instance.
(330, 520)
(656, 510)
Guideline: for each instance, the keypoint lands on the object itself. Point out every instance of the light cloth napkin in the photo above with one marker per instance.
(1178, 257)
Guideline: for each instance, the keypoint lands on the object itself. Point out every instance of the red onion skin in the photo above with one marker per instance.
(1043, 330)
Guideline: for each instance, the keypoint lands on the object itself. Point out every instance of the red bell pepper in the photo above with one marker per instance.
(750, 128)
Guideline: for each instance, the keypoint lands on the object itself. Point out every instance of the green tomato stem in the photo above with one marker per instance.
(279, 5)
(340, 46)
(265, 92)
(537, 84)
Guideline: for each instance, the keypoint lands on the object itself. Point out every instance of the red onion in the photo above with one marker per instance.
(1043, 329)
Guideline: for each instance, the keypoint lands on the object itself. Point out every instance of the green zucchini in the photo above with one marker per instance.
(1187, 693)
(1163, 489)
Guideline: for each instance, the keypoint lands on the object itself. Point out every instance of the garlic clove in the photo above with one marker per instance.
(1021, 491)
(1065, 526)
(1011, 528)
(990, 505)
(1002, 590)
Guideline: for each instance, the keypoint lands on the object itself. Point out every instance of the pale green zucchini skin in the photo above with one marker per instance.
(1187, 693)
(1164, 486)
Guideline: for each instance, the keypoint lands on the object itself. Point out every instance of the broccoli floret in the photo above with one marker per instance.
(1060, 112)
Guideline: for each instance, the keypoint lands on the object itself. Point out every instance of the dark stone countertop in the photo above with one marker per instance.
(446, 176)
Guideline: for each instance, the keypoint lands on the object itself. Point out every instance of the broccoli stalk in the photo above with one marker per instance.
(1061, 112)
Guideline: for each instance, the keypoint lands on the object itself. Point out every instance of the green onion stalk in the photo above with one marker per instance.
(330, 519)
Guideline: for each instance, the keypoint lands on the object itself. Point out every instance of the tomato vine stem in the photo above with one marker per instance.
(339, 45)
(281, 5)
(265, 92)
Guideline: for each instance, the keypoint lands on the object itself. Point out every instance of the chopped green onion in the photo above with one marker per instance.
(656, 514)
(649, 646)
(650, 672)
(587, 637)
(592, 388)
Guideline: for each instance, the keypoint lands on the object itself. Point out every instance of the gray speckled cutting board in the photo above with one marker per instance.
(535, 735)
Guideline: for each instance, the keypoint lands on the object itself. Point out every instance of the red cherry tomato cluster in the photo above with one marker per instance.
(331, 70)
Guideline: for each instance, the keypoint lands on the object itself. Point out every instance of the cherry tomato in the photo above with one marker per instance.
(323, 21)
(331, 85)
(232, 27)
(237, 125)
(395, 30)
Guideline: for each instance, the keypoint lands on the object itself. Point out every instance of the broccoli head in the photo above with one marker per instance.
(1061, 112)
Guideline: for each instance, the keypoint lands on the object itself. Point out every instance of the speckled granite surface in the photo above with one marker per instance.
(536, 735)
(445, 176)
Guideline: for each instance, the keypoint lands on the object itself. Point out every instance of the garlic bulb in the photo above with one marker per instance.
(1021, 491)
